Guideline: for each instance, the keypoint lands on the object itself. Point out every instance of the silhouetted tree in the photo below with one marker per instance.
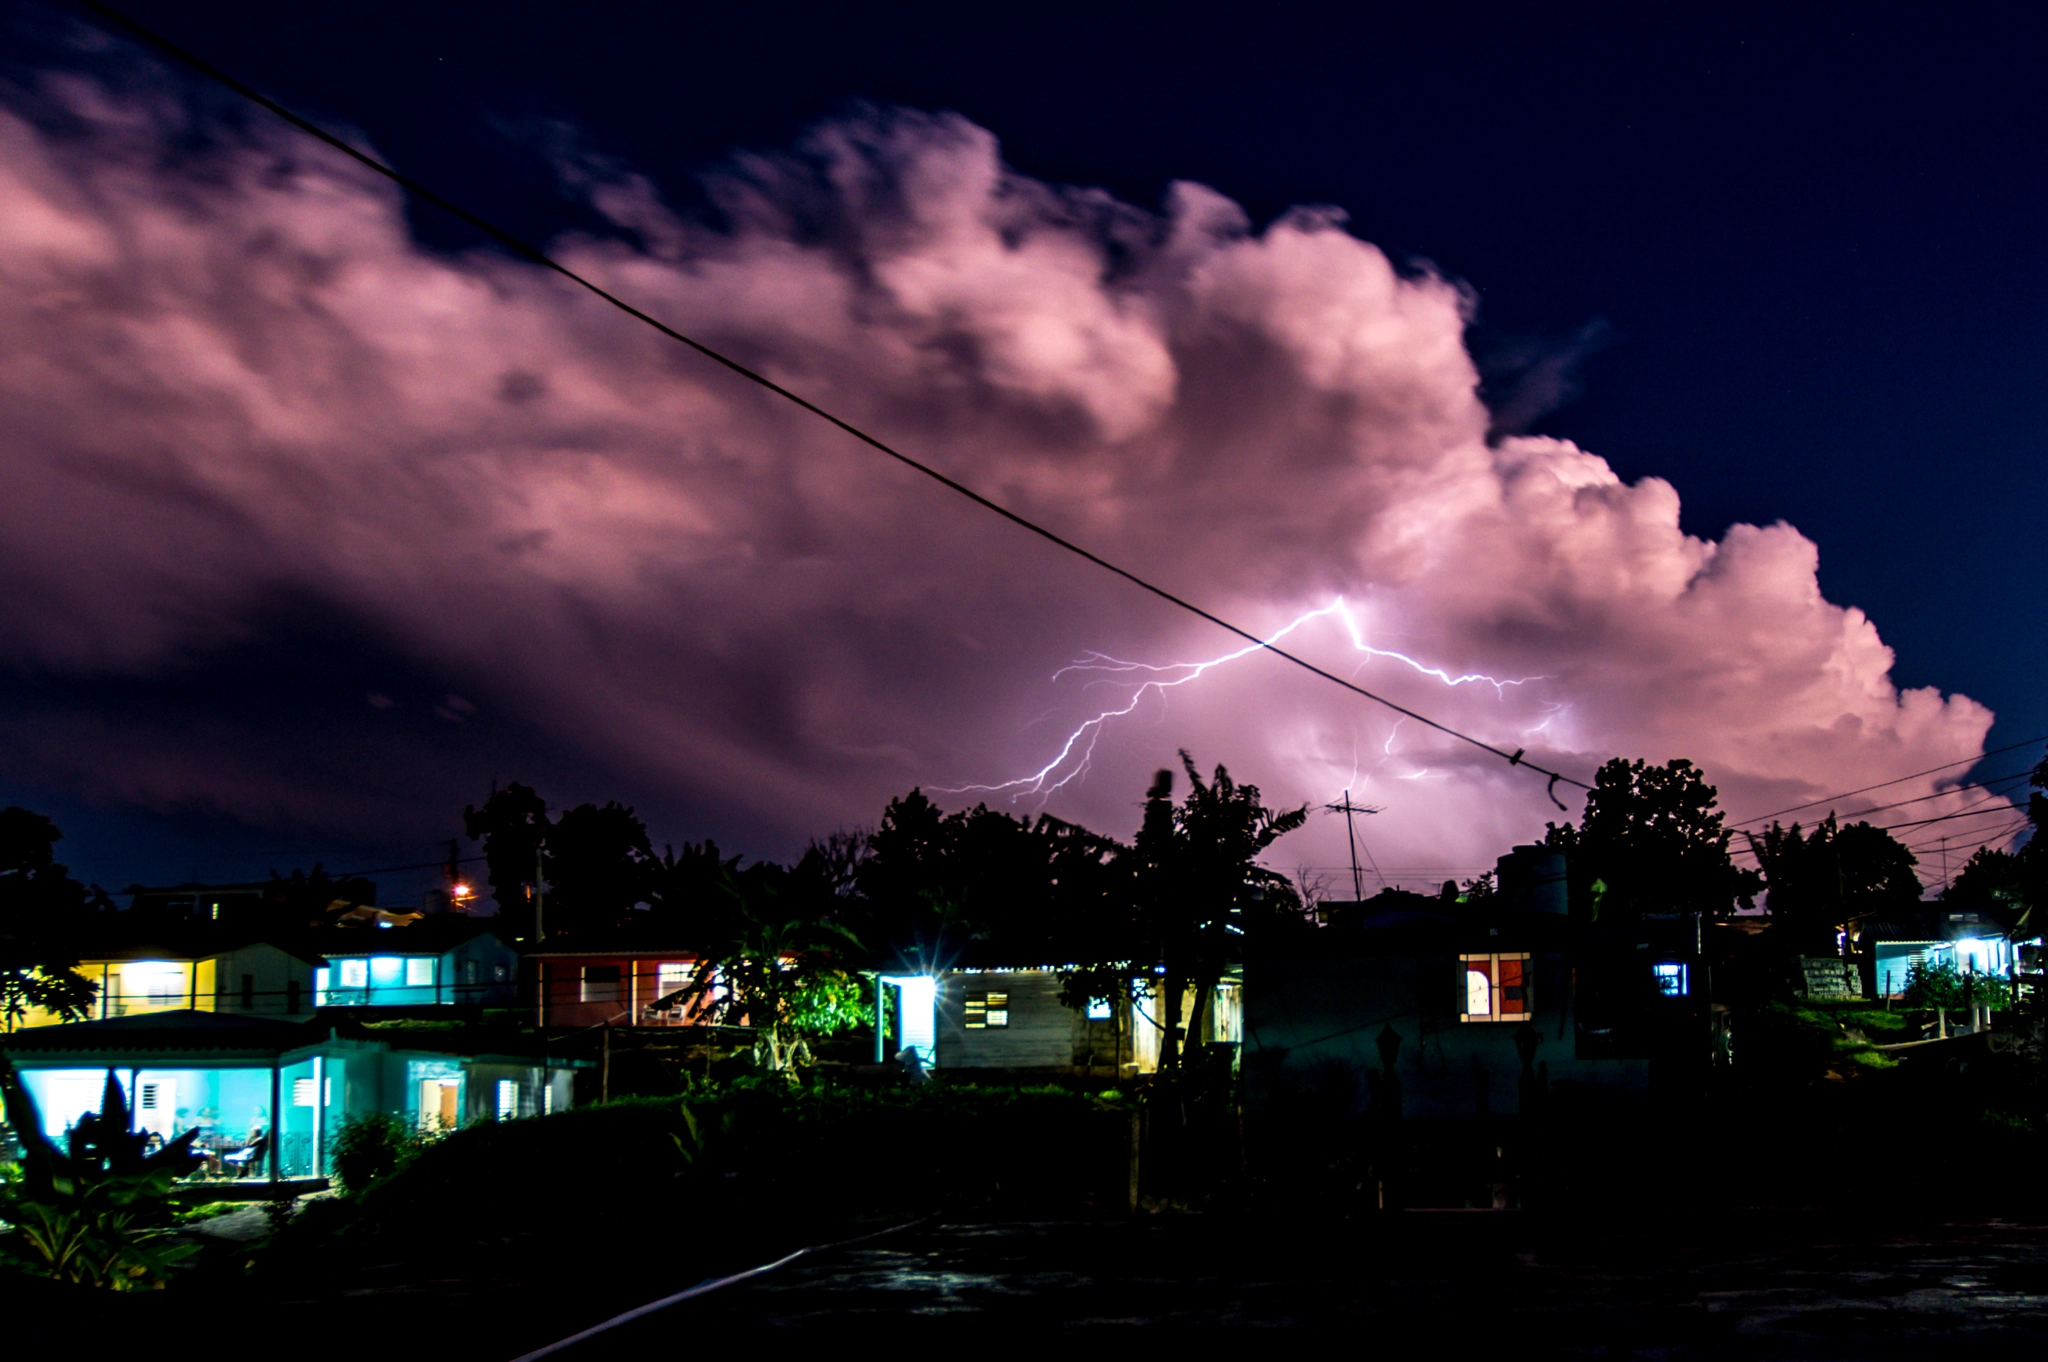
(43, 914)
(1651, 840)
(1821, 881)
(774, 961)
(1199, 889)
(1033, 889)
(599, 865)
(512, 825)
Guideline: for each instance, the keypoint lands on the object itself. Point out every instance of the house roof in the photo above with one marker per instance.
(203, 1037)
(221, 1034)
(432, 936)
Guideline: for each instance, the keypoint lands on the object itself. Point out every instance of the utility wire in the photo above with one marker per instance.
(1993, 784)
(1966, 761)
(546, 261)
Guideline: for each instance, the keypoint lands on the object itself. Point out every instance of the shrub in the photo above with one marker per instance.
(368, 1149)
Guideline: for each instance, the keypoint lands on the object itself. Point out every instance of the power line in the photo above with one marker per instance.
(1992, 784)
(1975, 810)
(546, 261)
(1966, 761)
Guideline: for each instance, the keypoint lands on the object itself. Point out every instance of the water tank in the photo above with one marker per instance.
(1531, 880)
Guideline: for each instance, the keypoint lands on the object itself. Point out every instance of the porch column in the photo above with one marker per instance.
(881, 1019)
(276, 1121)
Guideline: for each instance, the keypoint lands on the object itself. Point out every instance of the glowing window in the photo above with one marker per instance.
(1670, 976)
(355, 974)
(304, 1092)
(1496, 988)
(508, 1099)
(159, 981)
(386, 970)
(986, 1010)
(419, 972)
(1098, 1009)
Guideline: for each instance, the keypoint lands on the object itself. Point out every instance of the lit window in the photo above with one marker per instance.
(986, 1010)
(600, 983)
(386, 970)
(355, 974)
(1098, 1009)
(1496, 988)
(304, 1093)
(419, 972)
(1671, 980)
(161, 982)
(508, 1099)
(148, 1102)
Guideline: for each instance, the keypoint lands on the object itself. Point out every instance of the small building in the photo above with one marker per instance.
(616, 984)
(1974, 942)
(1011, 1019)
(253, 978)
(435, 962)
(1423, 1030)
(268, 1096)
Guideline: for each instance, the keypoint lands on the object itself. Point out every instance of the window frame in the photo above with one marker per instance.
(1496, 986)
(598, 989)
(985, 1009)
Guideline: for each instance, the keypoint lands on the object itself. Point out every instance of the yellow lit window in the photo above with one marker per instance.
(986, 1010)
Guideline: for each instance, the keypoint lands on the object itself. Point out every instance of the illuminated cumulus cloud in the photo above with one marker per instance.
(239, 392)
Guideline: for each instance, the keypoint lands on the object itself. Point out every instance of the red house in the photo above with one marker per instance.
(618, 986)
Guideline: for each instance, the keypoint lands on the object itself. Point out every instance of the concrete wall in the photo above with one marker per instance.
(270, 973)
(1313, 1026)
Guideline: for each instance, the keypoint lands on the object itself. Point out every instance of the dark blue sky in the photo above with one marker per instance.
(1794, 265)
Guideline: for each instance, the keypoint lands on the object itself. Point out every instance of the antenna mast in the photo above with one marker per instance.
(1349, 810)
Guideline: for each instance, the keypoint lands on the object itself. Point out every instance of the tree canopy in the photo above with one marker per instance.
(1651, 840)
(1821, 881)
(43, 914)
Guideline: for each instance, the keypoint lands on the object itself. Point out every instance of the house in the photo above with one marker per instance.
(616, 984)
(207, 974)
(269, 1095)
(435, 962)
(985, 1016)
(1433, 1026)
(1973, 941)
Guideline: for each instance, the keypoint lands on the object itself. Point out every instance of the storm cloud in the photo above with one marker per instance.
(242, 402)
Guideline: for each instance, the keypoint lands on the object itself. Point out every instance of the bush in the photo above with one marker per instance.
(770, 1164)
(369, 1149)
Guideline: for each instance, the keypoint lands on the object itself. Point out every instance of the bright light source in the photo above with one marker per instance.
(918, 1010)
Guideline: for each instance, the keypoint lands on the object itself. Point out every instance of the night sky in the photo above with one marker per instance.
(1792, 266)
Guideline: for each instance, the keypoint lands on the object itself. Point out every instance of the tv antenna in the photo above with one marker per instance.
(1350, 812)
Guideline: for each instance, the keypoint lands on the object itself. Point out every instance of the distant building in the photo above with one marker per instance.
(1426, 1028)
(620, 983)
(436, 962)
(981, 1016)
(269, 1096)
(253, 978)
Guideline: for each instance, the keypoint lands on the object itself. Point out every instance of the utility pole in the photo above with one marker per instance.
(1350, 810)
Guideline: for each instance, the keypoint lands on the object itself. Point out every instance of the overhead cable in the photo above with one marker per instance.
(1898, 780)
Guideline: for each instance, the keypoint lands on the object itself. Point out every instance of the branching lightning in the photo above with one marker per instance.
(1077, 753)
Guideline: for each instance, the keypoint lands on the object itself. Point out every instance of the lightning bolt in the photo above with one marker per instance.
(1076, 754)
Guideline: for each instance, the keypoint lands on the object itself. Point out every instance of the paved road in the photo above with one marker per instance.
(1794, 1287)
